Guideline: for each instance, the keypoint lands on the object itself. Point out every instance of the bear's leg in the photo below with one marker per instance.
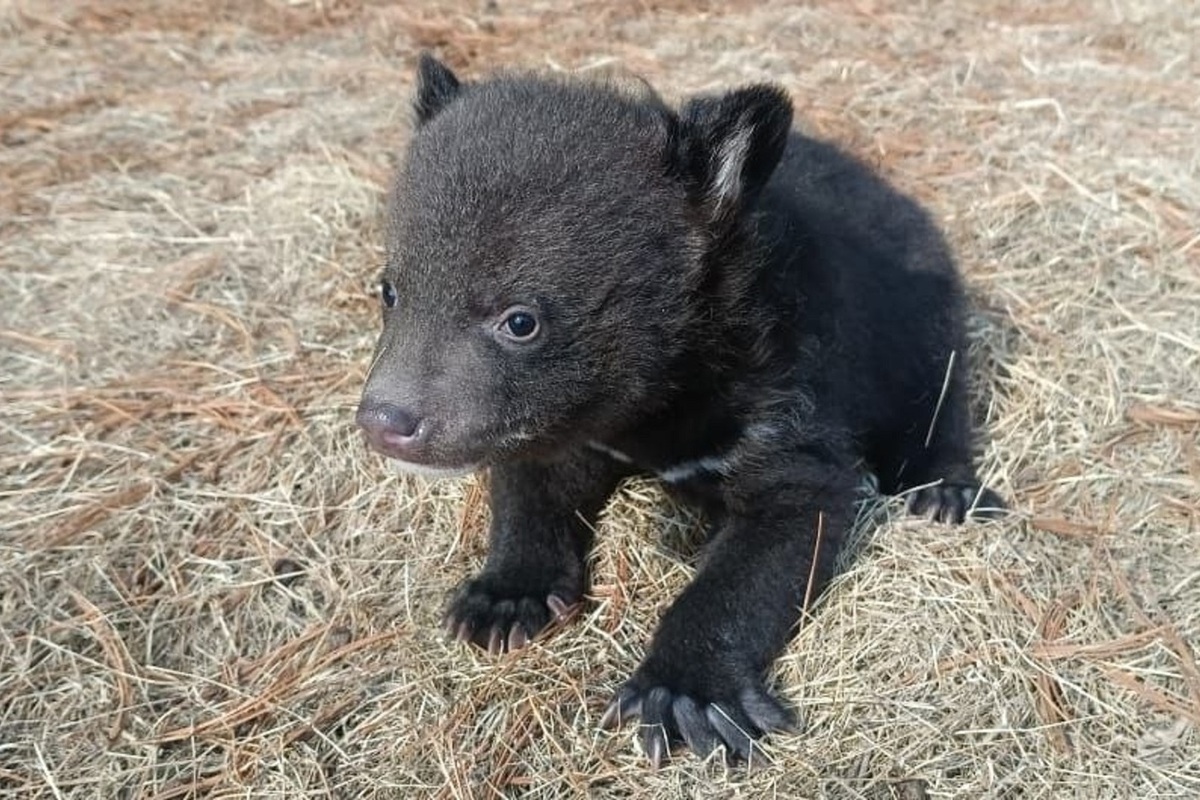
(702, 680)
(932, 463)
(541, 531)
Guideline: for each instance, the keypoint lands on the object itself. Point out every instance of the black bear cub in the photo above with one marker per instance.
(583, 283)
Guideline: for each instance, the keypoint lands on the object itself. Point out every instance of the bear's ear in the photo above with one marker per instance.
(436, 87)
(728, 146)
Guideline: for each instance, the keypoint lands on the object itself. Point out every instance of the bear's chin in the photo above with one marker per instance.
(430, 471)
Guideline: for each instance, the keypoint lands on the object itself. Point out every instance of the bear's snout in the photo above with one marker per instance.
(391, 430)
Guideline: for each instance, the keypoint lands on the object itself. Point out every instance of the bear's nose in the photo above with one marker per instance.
(388, 426)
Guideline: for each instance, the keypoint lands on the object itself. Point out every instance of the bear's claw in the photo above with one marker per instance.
(500, 623)
(669, 717)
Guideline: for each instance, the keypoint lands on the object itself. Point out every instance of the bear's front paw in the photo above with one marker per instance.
(502, 620)
(955, 502)
(742, 713)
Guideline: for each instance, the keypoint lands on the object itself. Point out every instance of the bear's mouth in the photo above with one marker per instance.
(438, 458)
(429, 448)
(408, 461)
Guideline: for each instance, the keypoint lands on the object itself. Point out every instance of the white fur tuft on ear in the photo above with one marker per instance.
(731, 145)
(726, 187)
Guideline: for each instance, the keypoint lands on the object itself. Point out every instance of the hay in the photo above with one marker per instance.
(208, 588)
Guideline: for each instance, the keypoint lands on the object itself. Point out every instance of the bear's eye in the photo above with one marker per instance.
(520, 325)
(387, 294)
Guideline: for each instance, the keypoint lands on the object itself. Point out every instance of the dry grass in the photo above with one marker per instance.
(209, 589)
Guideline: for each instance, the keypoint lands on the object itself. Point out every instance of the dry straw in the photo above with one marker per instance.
(209, 589)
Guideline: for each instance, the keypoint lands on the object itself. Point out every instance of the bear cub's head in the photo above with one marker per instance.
(557, 252)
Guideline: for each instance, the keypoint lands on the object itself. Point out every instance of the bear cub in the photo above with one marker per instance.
(583, 284)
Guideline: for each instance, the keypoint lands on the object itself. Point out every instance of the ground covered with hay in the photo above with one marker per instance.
(208, 588)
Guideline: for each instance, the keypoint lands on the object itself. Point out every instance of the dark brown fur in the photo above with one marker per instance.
(584, 285)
